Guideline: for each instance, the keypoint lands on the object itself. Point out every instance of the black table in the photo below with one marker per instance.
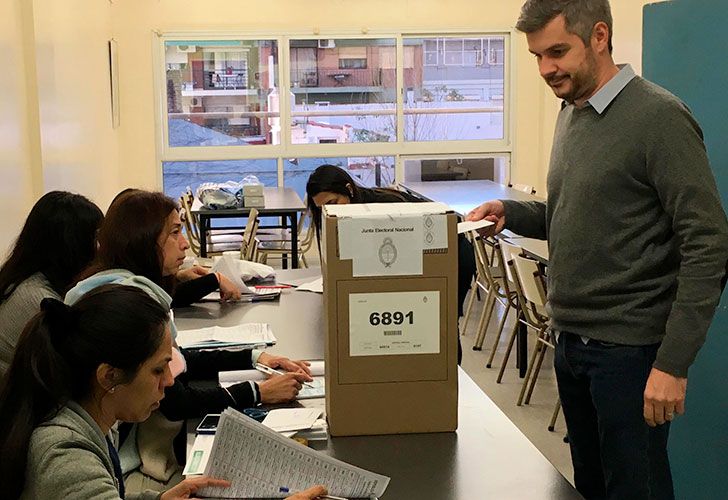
(486, 458)
(280, 202)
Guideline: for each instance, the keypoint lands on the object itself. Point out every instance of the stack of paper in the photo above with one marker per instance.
(291, 419)
(260, 463)
(245, 335)
(310, 390)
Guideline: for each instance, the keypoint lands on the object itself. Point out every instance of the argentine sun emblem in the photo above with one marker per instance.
(387, 252)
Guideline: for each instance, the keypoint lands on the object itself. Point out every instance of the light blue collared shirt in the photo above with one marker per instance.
(605, 95)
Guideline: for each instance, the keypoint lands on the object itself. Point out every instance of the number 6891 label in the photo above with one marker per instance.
(390, 323)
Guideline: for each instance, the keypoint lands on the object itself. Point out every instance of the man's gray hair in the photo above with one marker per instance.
(580, 16)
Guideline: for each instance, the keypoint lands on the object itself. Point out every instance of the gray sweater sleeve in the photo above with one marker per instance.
(678, 167)
(527, 218)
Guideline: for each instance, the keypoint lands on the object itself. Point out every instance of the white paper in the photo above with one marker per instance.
(316, 286)
(391, 323)
(228, 268)
(382, 246)
(291, 419)
(247, 333)
(199, 455)
(260, 463)
(469, 225)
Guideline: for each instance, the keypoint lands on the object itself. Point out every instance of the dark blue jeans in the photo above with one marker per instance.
(616, 455)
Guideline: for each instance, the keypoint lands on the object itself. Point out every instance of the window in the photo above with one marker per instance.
(230, 106)
(459, 100)
(357, 78)
(221, 93)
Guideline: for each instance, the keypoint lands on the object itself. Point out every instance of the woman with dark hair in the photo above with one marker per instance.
(141, 244)
(76, 371)
(58, 240)
(331, 185)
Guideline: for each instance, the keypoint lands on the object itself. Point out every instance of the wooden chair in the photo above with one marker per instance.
(492, 282)
(217, 242)
(532, 296)
(248, 244)
(507, 251)
(268, 248)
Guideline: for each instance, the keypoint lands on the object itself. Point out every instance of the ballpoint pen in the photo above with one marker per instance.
(272, 371)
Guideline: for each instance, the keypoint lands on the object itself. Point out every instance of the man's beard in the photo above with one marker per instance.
(583, 81)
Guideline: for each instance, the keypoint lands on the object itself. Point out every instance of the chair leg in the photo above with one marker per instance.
(529, 371)
(469, 307)
(534, 377)
(483, 328)
(498, 334)
(481, 320)
(509, 348)
(555, 415)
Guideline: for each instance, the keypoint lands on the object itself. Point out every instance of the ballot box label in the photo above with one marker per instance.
(394, 323)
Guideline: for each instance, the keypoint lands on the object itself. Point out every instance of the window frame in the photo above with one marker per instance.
(399, 149)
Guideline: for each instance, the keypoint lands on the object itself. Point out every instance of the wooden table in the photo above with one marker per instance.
(487, 457)
(281, 202)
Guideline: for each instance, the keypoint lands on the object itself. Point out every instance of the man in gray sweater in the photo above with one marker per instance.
(638, 245)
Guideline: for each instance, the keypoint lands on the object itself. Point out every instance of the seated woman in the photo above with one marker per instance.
(76, 371)
(148, 254)
(331, 185)
(58, 241)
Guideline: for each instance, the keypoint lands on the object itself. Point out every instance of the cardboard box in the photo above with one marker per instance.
(390, 299)
(254, 201)
(252, 190)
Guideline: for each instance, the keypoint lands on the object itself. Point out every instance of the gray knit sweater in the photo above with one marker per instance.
(16, 311)
(68, 458)
(638, 239)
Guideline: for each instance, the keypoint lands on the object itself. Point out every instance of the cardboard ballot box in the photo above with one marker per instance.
(390, 299)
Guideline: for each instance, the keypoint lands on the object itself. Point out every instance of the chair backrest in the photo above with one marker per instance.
(526, 188)
(248, 246)
(509, 251)
(483, 264)
(530, 288)
(190, 223)
(306, 235)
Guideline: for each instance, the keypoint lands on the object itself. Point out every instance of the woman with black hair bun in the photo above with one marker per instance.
(76, 371)
(58, 241)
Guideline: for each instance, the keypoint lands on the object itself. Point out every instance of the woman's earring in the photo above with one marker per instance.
(112, 390)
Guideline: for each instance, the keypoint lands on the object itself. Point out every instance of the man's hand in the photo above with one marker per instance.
(664, 397)
(285, 364)
(492, 211)
(193, 272)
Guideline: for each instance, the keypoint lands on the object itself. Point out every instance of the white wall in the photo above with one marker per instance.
(78, 144)
(17, 121)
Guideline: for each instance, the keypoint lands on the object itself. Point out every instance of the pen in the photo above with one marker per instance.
(331, 497)
(272, 371)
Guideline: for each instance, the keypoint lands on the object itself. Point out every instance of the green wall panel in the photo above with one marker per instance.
(685, 49)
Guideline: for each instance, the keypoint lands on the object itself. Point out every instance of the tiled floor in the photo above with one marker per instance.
(531, 419)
